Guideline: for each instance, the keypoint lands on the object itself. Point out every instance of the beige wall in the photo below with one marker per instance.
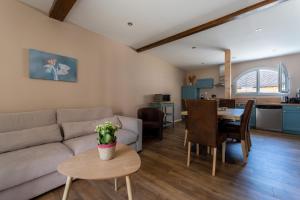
(292, 63)
(108, 73)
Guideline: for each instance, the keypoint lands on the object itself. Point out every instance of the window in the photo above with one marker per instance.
(268, 81)
(263, 81)
(247, 83)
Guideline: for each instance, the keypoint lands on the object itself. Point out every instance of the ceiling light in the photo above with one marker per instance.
(258, 29)
(130, 24)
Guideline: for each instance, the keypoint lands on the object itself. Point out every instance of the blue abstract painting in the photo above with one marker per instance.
(48, 66)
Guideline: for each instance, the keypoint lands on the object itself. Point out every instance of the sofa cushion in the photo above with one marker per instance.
(84, 143)
(20, 166)
(26, 120)
(83, 114)
(14, 140)
(76, 129)
(34, 188)
(126, 136)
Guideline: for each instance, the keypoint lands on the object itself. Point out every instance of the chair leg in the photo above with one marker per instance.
(208, 150)
(223, 151)
(246, 145)
(249, 140)
(185, 137)
(197, 149)
(189, 154)
(214, 161)
(160, 133)
(244, 149)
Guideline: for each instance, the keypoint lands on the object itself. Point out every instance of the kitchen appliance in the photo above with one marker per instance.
(294, 100)
(269, 117)
(221, 82)
(298, 93)
(162, 97)
(284, 99)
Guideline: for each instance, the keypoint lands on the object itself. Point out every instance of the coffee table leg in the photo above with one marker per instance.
(129, 191)
(116, 184)
(67, 188)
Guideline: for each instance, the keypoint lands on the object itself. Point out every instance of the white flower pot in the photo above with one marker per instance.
(107, 151)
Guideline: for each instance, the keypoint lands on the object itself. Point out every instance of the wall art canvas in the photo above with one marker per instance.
(48, 66)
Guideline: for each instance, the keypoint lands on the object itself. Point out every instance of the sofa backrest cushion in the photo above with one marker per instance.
(83, 114)
(77, 129)
(26, 120)
(14, 140)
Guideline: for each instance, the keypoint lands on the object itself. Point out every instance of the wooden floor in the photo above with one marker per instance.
(272, 172)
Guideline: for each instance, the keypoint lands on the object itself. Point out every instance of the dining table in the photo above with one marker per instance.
(234, 114)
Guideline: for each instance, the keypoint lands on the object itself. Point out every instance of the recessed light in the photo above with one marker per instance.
(194, 47)
(130, 24)
(258, 29)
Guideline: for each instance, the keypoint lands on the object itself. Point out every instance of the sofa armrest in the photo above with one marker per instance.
(135, 125)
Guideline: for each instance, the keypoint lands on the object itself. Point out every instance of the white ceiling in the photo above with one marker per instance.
(156, 19)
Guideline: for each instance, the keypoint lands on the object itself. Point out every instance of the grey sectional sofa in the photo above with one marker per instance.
(32, 144)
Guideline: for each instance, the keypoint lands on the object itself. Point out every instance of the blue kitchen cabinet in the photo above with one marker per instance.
(291, 119)
(207, 83)
(190, 92)
(253, 115)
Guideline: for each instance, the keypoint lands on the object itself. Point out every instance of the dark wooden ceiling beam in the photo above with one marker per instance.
(61, 8)
(222, 20)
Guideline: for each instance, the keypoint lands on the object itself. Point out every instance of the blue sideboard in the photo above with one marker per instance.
(207, 83)
(190, 92)
(291, 119)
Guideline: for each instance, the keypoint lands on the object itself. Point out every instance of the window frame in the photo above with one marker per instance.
(279, 68)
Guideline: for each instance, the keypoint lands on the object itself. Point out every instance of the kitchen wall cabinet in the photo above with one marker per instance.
(291, 119)
(207, 83)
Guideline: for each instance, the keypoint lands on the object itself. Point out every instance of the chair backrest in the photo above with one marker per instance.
(202, 122)
(246, 118)
(228, 103)
(150, 114)
(183, 104)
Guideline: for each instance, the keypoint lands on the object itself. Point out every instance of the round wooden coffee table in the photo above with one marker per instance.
(88, 166)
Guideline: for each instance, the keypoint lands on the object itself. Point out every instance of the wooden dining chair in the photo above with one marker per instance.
(184, 107)
(241, 131)
(202, 125)
(228, 103)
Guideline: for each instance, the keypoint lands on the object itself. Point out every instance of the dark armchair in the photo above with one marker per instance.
(152, 120)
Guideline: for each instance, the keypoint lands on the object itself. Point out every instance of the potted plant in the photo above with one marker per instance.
(106, 140)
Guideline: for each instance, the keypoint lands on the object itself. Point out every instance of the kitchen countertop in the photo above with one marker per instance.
(279, 104)
(272, 104)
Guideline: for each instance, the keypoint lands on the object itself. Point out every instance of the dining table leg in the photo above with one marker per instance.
(129, 189)
(116, 184)
(67, 188)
